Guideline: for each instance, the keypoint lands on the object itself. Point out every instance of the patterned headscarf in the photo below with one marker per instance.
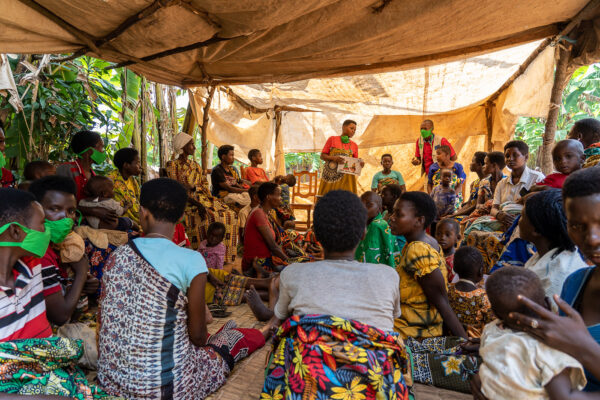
(179, 142)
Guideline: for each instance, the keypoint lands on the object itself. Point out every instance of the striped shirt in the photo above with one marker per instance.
(23, 309)
(52, 276)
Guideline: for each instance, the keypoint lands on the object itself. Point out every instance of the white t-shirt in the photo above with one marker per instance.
(368, 293)
(506, 191)
(517, 366)
(554, 271)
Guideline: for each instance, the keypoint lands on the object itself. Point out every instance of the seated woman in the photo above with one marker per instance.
(33, 362)
(158, 287)
(543, 223)
(332, 344)
(203, 208)
(422, 271)
(262, 254)
(126, 185)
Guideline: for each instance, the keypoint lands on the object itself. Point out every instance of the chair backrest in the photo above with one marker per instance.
(306, 185)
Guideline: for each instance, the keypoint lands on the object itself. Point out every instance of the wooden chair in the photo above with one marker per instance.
(306, 189)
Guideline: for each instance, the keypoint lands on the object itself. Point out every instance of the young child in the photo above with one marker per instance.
(423, 281)
(100, 190)
(387, 176)
(254, 173)
(213, 248)
(567, 156)
(510, 189)
(389, 194)
(447, 234)
(444, 196)
(287, 182)
(35, 170)
(444, 160)
(515, 364)
(467, 297)
(379, 245)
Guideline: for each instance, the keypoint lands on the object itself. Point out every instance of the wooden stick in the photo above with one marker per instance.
(81, 35)
(73, 56)
(174, 51)
(143, 144)
(134, 19)
(522, 68)
(204, 127)
(583, 13)
(560, 81)
(489, 122)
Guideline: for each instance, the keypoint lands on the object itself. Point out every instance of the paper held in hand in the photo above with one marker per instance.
(350, 166)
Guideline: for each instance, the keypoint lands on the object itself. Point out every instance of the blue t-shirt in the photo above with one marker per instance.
(457, 169)
(177, 264)
(379, 176)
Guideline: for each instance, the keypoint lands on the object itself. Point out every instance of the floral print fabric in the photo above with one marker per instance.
(326, 357)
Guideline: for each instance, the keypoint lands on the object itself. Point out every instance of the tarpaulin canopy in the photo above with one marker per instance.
(388, 107)
(191, 42)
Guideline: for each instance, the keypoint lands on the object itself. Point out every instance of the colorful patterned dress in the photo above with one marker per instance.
(127, 191)
(144, 344)
(419, 319)
(326, 357)
(190, 174)
(330, 178)
(472, 309)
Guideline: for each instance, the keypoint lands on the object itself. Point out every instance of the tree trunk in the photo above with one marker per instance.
(173, 109)
(143, 127)
(162, 124)
(204, 127)
(560, 81)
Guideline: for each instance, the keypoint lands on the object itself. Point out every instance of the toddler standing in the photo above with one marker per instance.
(379, 244)
(447, 234)
(213, 248)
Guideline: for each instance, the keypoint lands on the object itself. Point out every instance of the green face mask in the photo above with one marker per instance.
(59, 229)
(96, 156)
(2, 160)
(35, 242)
(345, 139)
(425, 133)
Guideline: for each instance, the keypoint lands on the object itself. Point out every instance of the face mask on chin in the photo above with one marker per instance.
(35, 242)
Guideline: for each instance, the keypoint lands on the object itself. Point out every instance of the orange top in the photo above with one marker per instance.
(256, 174)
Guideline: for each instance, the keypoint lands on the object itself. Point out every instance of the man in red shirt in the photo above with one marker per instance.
(426, 144)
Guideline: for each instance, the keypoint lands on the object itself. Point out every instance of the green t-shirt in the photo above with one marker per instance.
(379, 245)
(392, 177)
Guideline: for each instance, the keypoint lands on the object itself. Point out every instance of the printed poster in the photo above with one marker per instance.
(350, 166)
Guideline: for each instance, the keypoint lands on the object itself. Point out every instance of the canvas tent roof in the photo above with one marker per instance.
(191, 42)
(388, 107)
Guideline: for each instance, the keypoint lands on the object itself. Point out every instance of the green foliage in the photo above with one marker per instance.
(581, 99)
(302, 162)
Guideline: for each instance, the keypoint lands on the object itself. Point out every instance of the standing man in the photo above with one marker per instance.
(426, 146)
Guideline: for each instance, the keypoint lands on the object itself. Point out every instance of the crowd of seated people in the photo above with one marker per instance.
(387, 289)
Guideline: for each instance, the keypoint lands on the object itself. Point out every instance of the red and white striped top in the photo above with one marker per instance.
(23, 310)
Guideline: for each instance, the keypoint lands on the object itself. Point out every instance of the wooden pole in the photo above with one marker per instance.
(489, 121)
(279, 152)
(163, 131)
(204, 127)
(560, 81)
(143, 144)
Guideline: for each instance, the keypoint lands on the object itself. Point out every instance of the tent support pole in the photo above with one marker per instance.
(279, 153)
(204, 127)
(560, 81)
(143, 144)
(489, 121)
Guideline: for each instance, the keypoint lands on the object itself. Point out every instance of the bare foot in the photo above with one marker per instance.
(260, 311)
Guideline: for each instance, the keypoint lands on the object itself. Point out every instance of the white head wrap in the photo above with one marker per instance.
(179, 142)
